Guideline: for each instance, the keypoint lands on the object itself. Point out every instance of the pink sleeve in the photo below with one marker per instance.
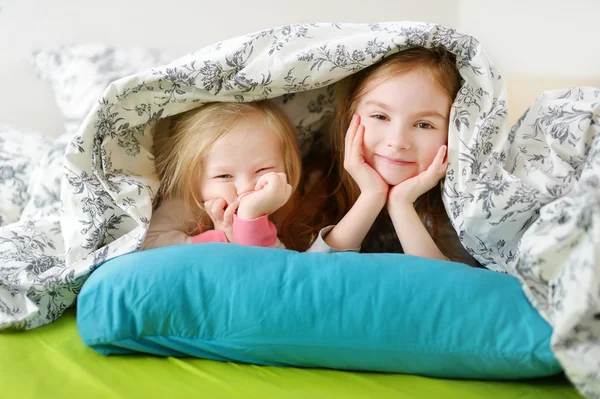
(259, 232)
(210, 236)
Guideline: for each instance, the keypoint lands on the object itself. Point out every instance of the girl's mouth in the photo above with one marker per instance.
(395, 161)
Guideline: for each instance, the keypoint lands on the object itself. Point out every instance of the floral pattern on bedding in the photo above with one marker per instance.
(19, 152)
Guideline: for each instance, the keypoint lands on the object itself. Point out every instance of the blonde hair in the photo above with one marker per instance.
(440, 66)
(179, 155)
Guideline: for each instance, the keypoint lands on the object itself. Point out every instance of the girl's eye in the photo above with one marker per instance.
(225, 176)
(424, 125)
(380, 117)
(263, 169)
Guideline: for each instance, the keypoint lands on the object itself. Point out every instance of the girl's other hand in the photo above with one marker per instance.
(367, 178)
(409, 190)
(271, 192)
(221, 215)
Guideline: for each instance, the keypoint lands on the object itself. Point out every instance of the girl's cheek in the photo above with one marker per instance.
(370, 141)
(367, 144)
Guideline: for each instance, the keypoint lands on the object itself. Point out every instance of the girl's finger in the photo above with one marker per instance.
(208, 209)
(437, 169)
(264, 180)
(351, 132)
(282, 177)
(441, 154)
(355, 151)
(230, 211)
(281, 180)
(436, 164)
(441, 175)
(357, 144)
(218, 208)
(260, 184)
(442, 169)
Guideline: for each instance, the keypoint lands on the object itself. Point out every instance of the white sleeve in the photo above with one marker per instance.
(167, 226)
(319, 245)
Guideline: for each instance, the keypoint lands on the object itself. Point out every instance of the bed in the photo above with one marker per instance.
(51, 361)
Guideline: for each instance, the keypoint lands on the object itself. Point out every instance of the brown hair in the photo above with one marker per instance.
(440, 66)
(192, 134)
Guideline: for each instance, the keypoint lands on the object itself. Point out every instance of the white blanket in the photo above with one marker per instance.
(526, 200)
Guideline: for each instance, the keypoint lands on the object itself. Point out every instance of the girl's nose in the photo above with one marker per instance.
(399, 139)
(245, 186)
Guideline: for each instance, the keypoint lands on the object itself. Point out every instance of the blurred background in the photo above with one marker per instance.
(536, 44)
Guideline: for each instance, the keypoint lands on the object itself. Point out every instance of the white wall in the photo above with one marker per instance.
(557, 38)
(536, 44)
(182, 25)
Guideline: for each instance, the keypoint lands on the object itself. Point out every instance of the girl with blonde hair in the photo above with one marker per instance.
(390, 139)
(227, 171)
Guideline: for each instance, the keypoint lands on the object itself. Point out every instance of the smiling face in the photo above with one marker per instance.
(236, 161)
(406, 122)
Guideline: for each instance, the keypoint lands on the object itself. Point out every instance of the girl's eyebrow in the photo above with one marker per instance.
(217, 169)
(217, 166)
(430, 113)
(416, 115)
(262, 161)
(379, 104)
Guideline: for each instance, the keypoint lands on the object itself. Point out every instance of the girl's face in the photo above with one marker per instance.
(236, 161)
(406, 122)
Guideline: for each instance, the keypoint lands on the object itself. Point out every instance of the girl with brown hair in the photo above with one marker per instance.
(389, 136)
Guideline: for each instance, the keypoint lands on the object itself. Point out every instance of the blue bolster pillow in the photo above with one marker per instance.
(376, 312)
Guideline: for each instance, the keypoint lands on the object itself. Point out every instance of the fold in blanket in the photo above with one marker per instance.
(524, 200)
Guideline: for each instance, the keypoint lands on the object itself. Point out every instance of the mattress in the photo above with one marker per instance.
(51, 361)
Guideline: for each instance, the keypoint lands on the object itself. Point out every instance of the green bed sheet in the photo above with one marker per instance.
(52, 362)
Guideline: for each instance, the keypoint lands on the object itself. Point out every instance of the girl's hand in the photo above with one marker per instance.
(408, 191)
(367, 178)
(221, 215)
(271, 192)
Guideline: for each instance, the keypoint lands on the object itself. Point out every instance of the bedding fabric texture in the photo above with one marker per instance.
(79, 73)
(20, 152)
(401, 314)
(524, 200)
(52, 362)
